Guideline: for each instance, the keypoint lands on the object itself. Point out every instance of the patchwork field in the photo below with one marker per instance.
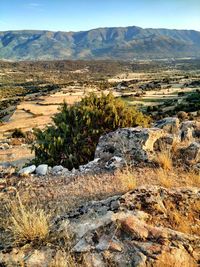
(31, 93)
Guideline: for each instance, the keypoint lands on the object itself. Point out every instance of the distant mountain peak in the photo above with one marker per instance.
(124, 43)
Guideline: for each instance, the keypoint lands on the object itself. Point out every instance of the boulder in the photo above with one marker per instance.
(191, 153)
(135, 228)
(58, 168)
(90, 166)
(170, 125)
(135, 144)
(165, 142)
(187, 135)
(189, 130)
(42, 169)
(28, 170)
(189, 124)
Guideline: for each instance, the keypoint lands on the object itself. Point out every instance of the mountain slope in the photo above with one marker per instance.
(101, 43)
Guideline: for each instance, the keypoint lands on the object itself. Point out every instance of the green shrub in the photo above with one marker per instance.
(72, 140)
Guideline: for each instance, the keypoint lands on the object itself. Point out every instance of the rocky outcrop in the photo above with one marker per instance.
(189, 130)
(191, 154)
(134, 143)
(139, 228)
(137, 145)
(131, 230)
(141, 145)
(170, 125)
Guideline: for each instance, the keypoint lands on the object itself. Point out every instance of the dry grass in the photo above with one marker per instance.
(176, 178)
(126, 178)
(28, 224)
(178, 222)
(189, 224)
(92, 187)
(165, 178)
(193, 179)
(183, 218)
(164, 160)
(61, 194)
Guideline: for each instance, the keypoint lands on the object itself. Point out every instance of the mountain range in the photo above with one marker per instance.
(121, 43)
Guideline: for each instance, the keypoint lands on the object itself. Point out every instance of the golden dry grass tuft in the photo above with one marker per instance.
(178, 223)
(193, 178)
(164, 160)
(28, 224)
(164, 178)
(126, 178)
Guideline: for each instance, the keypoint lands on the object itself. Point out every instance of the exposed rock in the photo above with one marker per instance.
(187, 135)
(191, 153)
(28, 170)
(165, 142)
(134, 227)
(170, 125)
(134, 233)
(189, 124)
(126, 236)
(66, 172)
(189, 130)
(27, 257)
(42, 169)
(115, 163)
(95, 260)
(57, 169)
(92, 165)
(136, 144)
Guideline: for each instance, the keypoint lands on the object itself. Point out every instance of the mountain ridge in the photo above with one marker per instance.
(121, 43)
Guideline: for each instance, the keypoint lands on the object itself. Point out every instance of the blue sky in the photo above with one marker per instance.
(75, 15)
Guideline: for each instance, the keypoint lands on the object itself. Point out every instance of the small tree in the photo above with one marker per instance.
(72, 140)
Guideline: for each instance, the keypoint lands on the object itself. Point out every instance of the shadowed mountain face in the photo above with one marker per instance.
(102, 43)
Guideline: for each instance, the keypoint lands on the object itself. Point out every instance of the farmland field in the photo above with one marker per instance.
(31, 92)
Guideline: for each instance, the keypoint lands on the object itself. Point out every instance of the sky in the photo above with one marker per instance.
(77, 15)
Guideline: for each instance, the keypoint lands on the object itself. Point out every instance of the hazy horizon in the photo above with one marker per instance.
(85, 15)
(99, 28)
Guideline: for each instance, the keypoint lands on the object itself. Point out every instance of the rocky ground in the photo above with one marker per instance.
(136, 204)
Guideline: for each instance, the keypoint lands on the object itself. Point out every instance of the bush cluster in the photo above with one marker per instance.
(72, 139)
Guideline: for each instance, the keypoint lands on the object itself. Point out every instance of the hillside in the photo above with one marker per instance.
(136, 204)
(102, 43)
